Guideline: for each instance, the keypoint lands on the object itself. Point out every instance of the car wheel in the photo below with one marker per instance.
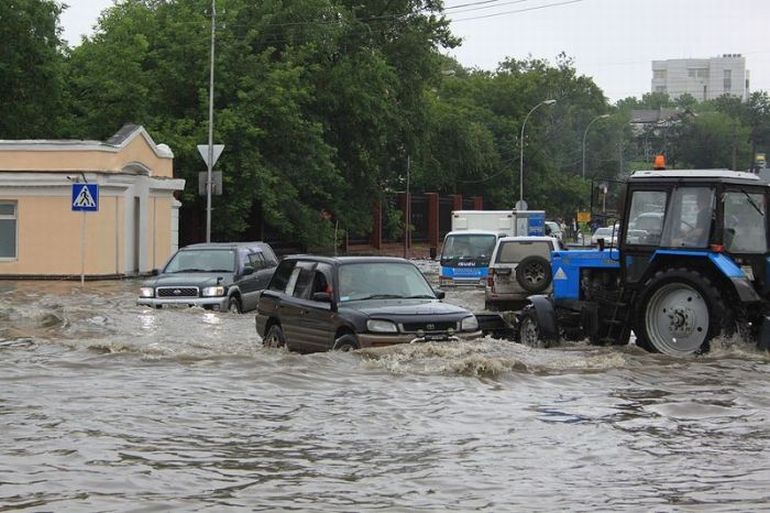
(234, 305)
(529, 330)
(274, 337)
(346, 343)
(534, 274)
(679, 312)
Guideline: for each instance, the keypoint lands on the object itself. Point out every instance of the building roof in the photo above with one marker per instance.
(120, 139)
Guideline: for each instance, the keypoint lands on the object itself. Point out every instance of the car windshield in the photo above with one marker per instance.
(382, 280)
(202, 261)
(468, 247)
(604, 231)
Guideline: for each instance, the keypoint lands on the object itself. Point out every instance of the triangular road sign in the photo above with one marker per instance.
(203, 149)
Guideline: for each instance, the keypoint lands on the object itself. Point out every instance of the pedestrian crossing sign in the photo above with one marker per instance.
(85, 197)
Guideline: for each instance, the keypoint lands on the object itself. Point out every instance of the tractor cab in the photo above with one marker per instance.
(711, 219)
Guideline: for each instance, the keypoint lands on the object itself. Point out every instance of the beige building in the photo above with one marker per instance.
(134, 230)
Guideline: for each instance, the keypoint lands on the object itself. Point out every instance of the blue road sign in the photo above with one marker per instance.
(85, 197)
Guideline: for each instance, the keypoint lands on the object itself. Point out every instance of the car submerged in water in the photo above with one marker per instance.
(316, 303)
(225, 276)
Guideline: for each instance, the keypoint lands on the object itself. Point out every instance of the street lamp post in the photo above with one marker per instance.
(585, 132)
(521, 142)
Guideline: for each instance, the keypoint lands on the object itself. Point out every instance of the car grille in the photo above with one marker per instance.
(177, 292)
(413, 327)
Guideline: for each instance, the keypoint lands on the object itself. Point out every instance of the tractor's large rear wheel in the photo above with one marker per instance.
(680, 311)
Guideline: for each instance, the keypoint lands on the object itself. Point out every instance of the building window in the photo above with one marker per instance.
(7, 229)
(659, 74)
(728, 82)
(660, 89)
(698, 72)
(691, 72)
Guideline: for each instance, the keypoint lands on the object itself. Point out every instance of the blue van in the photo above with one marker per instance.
(465, 257)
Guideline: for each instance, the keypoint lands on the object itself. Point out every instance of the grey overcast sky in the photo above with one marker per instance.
(612, 41)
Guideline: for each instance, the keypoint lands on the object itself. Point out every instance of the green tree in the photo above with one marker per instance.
(30, 68)
(318, 102)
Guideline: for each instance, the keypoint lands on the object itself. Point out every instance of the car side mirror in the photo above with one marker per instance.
(323, 297)
(440, 294)
(248, 270)
(155, 272)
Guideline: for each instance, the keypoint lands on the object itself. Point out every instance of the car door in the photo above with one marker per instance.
(246, 280)
(317, 313)
(293, 307)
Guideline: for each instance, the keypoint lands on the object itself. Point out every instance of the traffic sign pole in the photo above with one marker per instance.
(211, 124)
(85, 198)
(83, 250)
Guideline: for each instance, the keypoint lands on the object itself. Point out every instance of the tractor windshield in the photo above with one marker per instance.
(744, 224)
(688, 223)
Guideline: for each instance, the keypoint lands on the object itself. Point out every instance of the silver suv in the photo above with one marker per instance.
(519, 268)
(225, 276)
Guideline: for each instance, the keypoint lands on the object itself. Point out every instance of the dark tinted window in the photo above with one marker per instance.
(257, 261)
(304, 280)
(281, 277)
(322, 279)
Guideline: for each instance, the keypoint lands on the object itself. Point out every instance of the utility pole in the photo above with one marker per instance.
(211, 123)
(407, 209)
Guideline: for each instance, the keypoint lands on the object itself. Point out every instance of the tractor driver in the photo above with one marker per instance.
(695, 226)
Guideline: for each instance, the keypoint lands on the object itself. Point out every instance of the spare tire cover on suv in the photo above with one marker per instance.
(534, 274)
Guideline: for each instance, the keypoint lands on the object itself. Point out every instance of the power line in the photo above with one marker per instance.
(470, 4)
(479, 7)
(494, 15)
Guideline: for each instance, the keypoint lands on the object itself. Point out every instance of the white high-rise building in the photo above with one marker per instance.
(704, 79)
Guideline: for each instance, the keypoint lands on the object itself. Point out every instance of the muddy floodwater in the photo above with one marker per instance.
(107, 406)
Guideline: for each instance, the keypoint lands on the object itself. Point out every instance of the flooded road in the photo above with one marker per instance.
(107, 406)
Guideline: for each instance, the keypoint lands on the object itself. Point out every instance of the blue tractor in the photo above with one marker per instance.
(691, 264)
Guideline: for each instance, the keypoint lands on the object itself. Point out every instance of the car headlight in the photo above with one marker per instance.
(146, 292)
(213, 291)
(469, 324)
(378, 326)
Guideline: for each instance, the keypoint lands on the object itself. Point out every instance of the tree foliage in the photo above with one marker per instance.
(328, 104)
(30, 67)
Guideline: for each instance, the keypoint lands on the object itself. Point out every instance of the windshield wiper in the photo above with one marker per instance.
(191, 270)
(381, 296)
(422, 296)
(751, 201)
